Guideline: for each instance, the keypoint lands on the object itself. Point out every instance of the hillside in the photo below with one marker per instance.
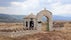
(10, 18)
(19, 18)
(42, 36)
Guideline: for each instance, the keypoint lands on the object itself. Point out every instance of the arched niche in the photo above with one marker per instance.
(48, 15)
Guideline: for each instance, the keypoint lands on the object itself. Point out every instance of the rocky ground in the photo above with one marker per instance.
(42, 36)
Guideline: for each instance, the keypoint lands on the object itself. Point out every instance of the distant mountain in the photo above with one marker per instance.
(11, 18)
(19, 18)
(56, 17)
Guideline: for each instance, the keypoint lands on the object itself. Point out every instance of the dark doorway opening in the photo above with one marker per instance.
(31, 24)
(45, 23)
(26, 24)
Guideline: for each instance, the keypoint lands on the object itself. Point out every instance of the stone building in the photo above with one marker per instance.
(35, 21)
(27, 21)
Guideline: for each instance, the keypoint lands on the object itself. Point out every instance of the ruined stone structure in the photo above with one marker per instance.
(35, 22)
(27, 22)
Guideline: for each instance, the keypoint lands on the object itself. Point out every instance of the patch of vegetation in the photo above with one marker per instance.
(47, 26)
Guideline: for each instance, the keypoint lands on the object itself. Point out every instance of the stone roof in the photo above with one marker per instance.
(45, 10)
(30, 16)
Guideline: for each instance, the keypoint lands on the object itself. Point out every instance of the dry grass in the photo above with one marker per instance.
(5, 38)
(8, 25)
(47, 36)
(42, 36)
(56, 35)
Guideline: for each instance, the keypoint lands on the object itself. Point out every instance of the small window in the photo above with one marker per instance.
(39, 22)
(26, 24)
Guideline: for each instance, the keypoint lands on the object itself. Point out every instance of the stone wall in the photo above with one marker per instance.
(62, 25)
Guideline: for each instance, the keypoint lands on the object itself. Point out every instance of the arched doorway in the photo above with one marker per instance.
(45, 24)
(48, 15)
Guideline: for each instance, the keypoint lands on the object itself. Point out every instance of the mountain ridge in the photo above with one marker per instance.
(19, 18)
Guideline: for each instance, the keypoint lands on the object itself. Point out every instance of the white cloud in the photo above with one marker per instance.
(60, 9)
(3, 9)
(22, 7)
(28, 6)
(57, 8)
(65, 9)
(25, 7)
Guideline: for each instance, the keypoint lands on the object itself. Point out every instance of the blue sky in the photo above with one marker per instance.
(24, 7)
